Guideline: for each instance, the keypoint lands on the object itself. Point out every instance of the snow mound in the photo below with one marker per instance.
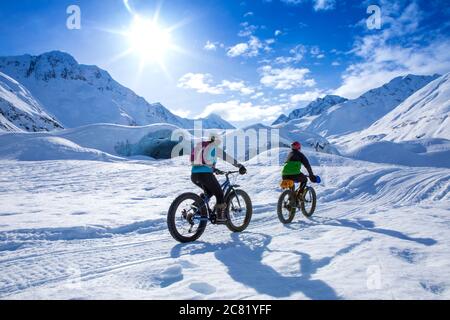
(92, 142)
(47, 148)
(153, 140)
(423, 153)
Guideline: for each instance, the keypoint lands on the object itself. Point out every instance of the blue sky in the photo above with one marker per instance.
(248, 60)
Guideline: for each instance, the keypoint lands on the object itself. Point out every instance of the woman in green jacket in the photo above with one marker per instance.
(293, 165)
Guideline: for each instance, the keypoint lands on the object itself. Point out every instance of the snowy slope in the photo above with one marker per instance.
(315, 108)
(79, 94)
(425, 114)
(258, 138)
(281, 119)
(19, 110)
(359, 114)
(96, 230)
(293, 131)
(416, 133)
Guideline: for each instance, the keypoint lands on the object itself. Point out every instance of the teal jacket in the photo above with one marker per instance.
(210, 157)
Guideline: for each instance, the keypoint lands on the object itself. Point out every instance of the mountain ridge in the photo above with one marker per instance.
(79, 94)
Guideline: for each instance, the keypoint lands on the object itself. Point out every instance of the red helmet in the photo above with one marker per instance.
(296, 145)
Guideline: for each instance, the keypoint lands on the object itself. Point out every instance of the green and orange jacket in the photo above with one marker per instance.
(293, 164)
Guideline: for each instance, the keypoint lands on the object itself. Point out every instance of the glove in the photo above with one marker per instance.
(242, 169)
(313, 179)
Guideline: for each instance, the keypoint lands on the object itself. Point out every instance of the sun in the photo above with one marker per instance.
(149, 41)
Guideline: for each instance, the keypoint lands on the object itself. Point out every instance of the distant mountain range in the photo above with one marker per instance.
(77, 95)
(52, 91)
(335, 116)
(423, 115)
(315, 108)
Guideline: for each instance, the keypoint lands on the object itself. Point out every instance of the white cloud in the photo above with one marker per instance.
(395, 50)
(200, 82)
(251, 48)
(181, 112)
(324, 4)
(335, 64)
(203, 83)
(237, 86)
(257, 95)
(317, 4)
(317, 53)
(210, 46)
(237, 111)
(248, 30)
(285, 78)
(294, 2)
(296, 55)
(238, 50)
(307, 96)
(278, 33)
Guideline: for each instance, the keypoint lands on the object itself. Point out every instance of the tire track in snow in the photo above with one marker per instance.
(100, 260)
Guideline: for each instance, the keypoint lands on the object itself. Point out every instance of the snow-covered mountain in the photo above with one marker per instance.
(19, 110)
(416, 133)
(425, 114)
(361, 113)
(315, 108)
(213, 121)
(79, 94)
(281, 119)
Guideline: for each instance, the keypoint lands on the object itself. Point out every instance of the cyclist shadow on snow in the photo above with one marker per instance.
(364, 225)
(243, 257)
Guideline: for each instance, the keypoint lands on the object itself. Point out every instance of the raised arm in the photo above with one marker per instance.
(227, 158)
(305, 162)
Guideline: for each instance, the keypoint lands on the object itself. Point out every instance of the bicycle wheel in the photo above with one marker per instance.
(186, 218)
(286, 206)
(239, 211)
(309, 201)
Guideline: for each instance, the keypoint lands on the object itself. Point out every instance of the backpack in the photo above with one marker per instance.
(198, 153)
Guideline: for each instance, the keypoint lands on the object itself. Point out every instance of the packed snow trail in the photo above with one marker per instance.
(96, 230)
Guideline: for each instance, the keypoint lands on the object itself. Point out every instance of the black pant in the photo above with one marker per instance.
(297, 178)
(208, 182)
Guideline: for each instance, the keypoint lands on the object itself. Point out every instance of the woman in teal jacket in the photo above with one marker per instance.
(204, 160)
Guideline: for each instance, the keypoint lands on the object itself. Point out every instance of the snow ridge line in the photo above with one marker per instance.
(81, 232)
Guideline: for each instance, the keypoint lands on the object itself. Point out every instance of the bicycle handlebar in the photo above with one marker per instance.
(221, 173)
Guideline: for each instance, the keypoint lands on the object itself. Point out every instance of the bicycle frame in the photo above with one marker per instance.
(227, 188)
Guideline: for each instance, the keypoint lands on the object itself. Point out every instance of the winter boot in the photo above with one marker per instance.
(220, 213)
